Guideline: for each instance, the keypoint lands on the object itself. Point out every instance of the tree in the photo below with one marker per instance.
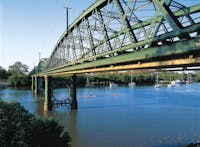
(19, 80)
(18, 77)
(18, 127)
(198, 77)
(3, 73)
(18, 68)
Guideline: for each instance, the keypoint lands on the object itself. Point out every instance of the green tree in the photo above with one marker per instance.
(18, 77)
(3, 73)
(18, 127)
(18, 68)
(19, 80)
(198, 77)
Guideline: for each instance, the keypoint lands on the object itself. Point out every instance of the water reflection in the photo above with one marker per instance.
(67, 119)
(123, 116)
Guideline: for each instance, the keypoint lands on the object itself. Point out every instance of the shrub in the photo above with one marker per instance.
(19, 80)
(18, 127)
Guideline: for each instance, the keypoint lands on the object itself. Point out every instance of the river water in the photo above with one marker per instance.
(123, 116)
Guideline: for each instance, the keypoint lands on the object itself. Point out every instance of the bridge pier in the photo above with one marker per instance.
(40, 84)
(37, 84)
(48, 94)
(33, 84)
(74, 103)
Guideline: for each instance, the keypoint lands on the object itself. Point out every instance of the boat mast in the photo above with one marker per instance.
(131, 77)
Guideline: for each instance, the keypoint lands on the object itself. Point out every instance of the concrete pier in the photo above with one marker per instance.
(74, 103)
(48, 94)
(33, 84)
(36, 85)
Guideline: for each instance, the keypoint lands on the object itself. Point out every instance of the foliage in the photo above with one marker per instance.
(3, 73)
(139, 78)
(125, 78)
(20, 128)
(18, 68)
(193, 145)
(81, 81)
(18, 77)
(63, 81)
(19, 80)
(13, 122)
(198, 77)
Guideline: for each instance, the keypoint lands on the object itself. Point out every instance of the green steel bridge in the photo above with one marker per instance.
(118, 35)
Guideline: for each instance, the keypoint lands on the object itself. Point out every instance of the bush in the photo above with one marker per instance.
(18, 127)
(3, 73)
(19, 80)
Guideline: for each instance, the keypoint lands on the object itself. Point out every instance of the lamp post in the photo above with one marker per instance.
(67, 17)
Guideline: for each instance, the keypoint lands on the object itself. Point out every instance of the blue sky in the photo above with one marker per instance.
(28, 27)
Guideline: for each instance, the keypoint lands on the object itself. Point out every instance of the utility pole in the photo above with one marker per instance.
(67, 17)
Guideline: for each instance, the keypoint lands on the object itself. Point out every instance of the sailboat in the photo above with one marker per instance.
(171, 83)
(111, 85)
(131, 84)
(189, 79)
(157, 85)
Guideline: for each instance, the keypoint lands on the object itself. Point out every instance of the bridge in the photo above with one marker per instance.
(118, 35)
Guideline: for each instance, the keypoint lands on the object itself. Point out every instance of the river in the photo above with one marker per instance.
(123, 116)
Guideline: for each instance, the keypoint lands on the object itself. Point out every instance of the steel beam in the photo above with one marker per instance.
(168, 14)
(90, 37)
(155, 39)
(125, 22)
(103, 29)
(84, 63)
(149, 65)
(182, 12)
(177, 49)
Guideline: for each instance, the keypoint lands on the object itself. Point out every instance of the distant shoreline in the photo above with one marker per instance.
(3, 83)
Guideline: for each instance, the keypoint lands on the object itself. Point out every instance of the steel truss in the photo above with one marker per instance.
(110, 28)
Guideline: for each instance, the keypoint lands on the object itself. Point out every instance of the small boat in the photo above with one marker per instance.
(189, 79)
(132, 84)
(169, 85)
(157, 85)
(111, 85)
(172, 84)
(179, 82)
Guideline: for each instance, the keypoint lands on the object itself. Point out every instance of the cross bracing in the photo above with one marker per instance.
(111, 28)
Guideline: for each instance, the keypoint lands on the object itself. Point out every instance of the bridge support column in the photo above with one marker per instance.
(48, 94)
(40, 84)
(33, 84)
(74, 103)
(36, 85)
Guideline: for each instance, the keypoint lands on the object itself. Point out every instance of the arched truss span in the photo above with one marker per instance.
(113, 27)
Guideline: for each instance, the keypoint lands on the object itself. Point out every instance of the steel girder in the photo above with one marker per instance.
(178, 50)
(111, 28)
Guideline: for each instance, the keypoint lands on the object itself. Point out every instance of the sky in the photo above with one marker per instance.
(30, 27)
